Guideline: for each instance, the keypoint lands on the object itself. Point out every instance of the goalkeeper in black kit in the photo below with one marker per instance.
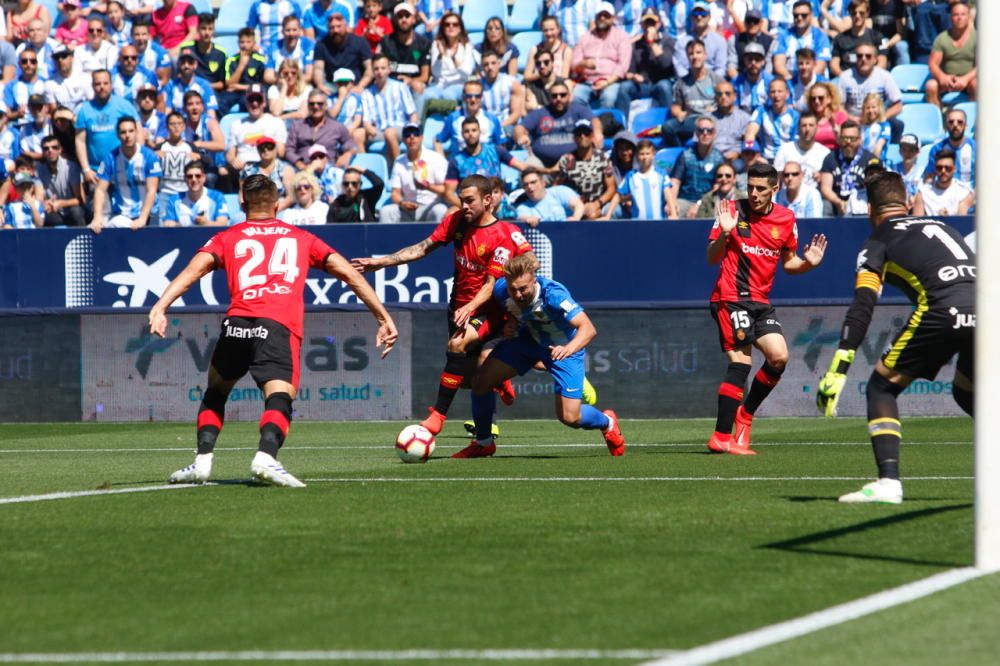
(931, 263)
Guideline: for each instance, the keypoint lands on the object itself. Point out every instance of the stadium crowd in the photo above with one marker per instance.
(130, 113)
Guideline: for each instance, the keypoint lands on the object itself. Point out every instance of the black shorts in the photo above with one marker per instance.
(741, 323)
(488, 322)
(930, 339)
(261, 346)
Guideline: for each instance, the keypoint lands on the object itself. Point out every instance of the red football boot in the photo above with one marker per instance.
(741, 432)
(475, 450)
(434, 421)
(506, 393)
(722, 443)
(613, 436)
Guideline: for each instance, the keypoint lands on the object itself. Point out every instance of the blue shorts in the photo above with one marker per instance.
(522, 352)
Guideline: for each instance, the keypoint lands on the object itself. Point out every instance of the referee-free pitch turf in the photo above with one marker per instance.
(551, 545)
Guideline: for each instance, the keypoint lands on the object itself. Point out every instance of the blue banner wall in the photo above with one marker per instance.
(615, 264)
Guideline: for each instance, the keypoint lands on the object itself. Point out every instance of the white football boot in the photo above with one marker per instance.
(197, 472)
(266, 469)
(883, 491)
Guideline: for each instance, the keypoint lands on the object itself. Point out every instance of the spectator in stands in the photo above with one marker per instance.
(496, 39)
(418, 180)
(19, 20)
(575, 16)
(908, 167)
(72, 32)
(116, 26)
(541, 204)
(409, 53)
(62, 129)
(651, 73)
(644, 191)
(774, 124)
(553, 44)
(835, 17)
(387, 107)
(801, 197)
(287, 98)
(16, 93)
(316, 19)
(587, 171)
(244, 134)
(430, 13)
(267, 17)
(945, 194)
(152, 121)
(210, 60)
(453, 59)
(373, 26)
(723, 189)
(152, 56)
(174, 23)
(329, 175)
(865, 77)
(692, 175)
(63, 184)
(41, 126)
(319, 128)
(889, 23)
(503, 94)
(43, 46)
(68, 88)
(278, 170)
(963, 146)
(172, 95)
(356, 204)
(875, 130)
(341, 49)
(731, 123)
(348, 106)
(753, 82)
(472, 106)
(127, 78)
(309, 208)
(475, 158)
(22, 165)
(843, 169)
(623, 155)
(929, 19)
(203, 133)
(804, 34)
(174, 154)
(601, 59)
(26, 212)
(9, 137)
(292, 46)
(845, 45)
(537, 91)
(98, 126)
(714, 45)
(97, 53)
(953, 58)
(130, 175)
(804, 150)
(824, 101)
(197, 205)
(694, 95)
(547, 133)
(737, 43)
(244, 69)
(805, 76)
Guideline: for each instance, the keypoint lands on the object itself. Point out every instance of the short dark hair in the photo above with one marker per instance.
(258, 192)
(469, 120)
(176, 114)
(694, 42)
(195, 164)
(288, 19)
(481, 183)
(850, 124)
(808, 114)
(763, 170)
(492, 52)
(246, 32)
(531, 171)
(206, 18)
(885, 189)
(945, 154)
(644, 144)
(377, 56)
(190, 94)
(123, 120)
(806, 52)
(49, 138)
(800, 3)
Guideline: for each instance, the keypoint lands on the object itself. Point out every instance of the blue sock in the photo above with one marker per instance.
(483, 407)
(592, 418)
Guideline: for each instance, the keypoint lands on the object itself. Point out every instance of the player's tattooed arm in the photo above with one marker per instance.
(404, 256)
(201, 265)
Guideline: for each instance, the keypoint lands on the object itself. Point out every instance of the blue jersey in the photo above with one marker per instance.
(173, 93)
(154, 57)
(575, 17)
(674, 17)
(267, 15)
(775, 129)
(318, 18)
(648, 193)
(547, 319)
(19, 216)
(392, 106)
(302, 54)
(181, 209)
(486, 163)
(127, 86)
(127, 178)
(101, 124)
(871, 134)
(779, 12)
(965, 160)
(16, 94)
(489, 129)
(789, 42)
(749, 95)
(549, 209)
(353, 107)
(330, 183)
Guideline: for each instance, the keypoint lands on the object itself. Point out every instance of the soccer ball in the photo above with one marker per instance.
(415, 444)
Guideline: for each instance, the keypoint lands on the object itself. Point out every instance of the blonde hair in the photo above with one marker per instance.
(879, 102)
(307, 177)
(520, 265)
(300, 85)
(832, 92)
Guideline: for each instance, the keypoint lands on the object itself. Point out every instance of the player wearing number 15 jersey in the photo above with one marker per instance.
(750, 239)
(934, 267)
(266, 263)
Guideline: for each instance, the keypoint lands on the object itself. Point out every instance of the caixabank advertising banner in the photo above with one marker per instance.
(129, 374)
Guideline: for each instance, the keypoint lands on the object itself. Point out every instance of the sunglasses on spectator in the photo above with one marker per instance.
(29, 61)
(318, 156)
(193, 176)
(955, 121)
(546, 61)
(54, 146)
(128, 57)
(725, 176)
(817, 98)
(95, 31)
(473, 95)
(317, 103)
(705, 130)
(557, 95)
(947, 168)
(801, 15)
(303, 186)
(452, 24)
(267, 146)
(866, 56)
(351, 183)
(409, 134)
(791, 174)
(699, 13)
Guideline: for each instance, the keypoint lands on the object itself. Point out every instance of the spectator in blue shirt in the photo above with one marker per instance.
(267, 16)
(964, 148)
(131, 175)
(694, 172)
(803, 34)
(200, 206)
(753, 83)
(316, 18)
(97, 124)
(476, 158)
(774, 124)
(541, 204)
(26, 213)
(152, 56)
(801, 198)
(128, 76)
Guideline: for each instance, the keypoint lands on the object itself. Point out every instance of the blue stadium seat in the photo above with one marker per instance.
(664, 159)
(911, 79)
(618, 116)
(971, 111)
(227, 121)
(236, 214)
(924, 120)
(892, 154)
(649, 119)
(201, 6)
(232, 16)
(475, 14)
(228, 43)
(432, 126)
(374, 162)
(476, 38)
(525, 41)
(524, 15)
(511, 177)
(948, 99)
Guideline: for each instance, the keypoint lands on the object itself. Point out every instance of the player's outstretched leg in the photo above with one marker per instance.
(730, 399)
(211, 416)
(484, 402)
(571, 412)
(274, 424)
(885, 431)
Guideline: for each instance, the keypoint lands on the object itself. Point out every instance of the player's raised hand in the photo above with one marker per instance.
(725, 215)
(386, 337)
(158, 322)
(813, 252)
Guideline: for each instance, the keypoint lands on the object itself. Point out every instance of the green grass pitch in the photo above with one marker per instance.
(551, 545)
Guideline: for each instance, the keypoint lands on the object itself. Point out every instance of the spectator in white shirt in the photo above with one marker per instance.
(801, 198)
(418, 182)
(945, 195)
(804, 150)
(308, 208)
(97, 53)
(244, 133)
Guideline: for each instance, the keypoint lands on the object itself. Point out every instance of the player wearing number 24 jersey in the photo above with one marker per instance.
(266, 262)
(750, 239)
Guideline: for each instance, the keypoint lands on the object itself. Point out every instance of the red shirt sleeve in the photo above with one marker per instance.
(521, 244)
(444, 232)
(216, 246)
(318, 253)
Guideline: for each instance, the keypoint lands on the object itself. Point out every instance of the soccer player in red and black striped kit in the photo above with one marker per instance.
(266, 263)
(750, 238)
(483, 245)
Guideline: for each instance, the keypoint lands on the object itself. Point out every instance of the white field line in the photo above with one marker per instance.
(330, 655)
(501, 445)
(89, 493)
(741, 644)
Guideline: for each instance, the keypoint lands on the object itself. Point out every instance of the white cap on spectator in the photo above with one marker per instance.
(754, 48)
(405, 6)
(318, 149)
(343, 74)
(910, 140)
(606, 7)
